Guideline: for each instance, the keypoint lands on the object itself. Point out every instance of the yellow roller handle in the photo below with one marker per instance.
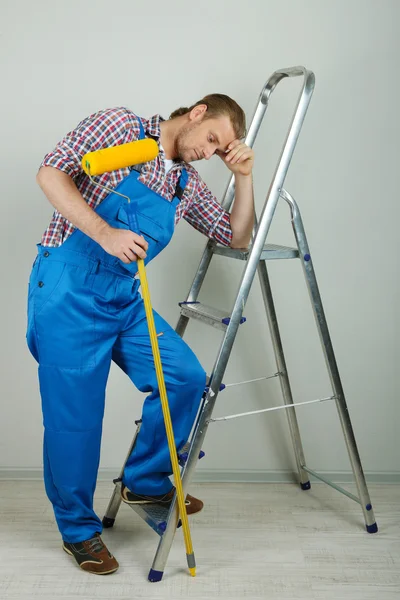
(167, 416)
(119, 157)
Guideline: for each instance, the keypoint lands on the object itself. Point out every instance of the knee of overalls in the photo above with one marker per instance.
(189, 373)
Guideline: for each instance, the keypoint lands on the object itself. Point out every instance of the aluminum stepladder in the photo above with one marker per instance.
(163, 521)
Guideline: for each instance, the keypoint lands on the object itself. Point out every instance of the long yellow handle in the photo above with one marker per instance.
(167, 416)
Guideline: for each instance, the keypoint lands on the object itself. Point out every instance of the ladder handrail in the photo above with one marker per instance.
(267, 213)
(276, 77)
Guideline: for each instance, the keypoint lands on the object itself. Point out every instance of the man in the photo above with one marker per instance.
(85, 310)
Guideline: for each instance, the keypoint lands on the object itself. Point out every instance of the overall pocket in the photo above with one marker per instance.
(152, 232)
(45, 283)
(30, 329)
(32, 284)
(64, 319)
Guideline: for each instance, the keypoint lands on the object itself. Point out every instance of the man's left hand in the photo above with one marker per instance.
(239, 158)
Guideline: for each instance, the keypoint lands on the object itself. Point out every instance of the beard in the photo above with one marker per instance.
(183, 147)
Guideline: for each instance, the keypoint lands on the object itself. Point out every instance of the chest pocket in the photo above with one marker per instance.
(155, 235)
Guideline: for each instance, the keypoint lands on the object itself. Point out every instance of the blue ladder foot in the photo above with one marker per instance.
(305, 486)
(155, 575)
(372, 528)
(162, 527)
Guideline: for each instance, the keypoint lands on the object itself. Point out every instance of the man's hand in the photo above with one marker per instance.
(124, 244)
(239, 158)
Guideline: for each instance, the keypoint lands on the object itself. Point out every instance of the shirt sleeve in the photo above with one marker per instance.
(207, 215)
(99, 130)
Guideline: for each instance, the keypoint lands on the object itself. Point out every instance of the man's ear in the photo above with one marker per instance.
(197, 113)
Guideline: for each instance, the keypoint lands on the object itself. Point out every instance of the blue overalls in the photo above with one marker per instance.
(84, 310)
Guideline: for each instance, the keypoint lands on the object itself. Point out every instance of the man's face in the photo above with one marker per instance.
(202, 138)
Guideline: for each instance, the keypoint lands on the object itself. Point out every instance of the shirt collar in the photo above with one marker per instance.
(153, 129)
(153, 126)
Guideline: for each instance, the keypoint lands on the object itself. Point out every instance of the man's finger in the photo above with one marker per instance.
(130, 255)
(233, 145)
(138, 251)
(144, 243)
(139, 241)
(125, 259)
(245, 155)
(235, 151)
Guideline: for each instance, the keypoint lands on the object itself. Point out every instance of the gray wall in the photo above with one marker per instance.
(62, 61)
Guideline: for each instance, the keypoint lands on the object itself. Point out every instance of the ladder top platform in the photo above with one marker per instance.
(270, 252)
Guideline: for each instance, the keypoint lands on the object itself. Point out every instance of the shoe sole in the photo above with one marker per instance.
(86, 571)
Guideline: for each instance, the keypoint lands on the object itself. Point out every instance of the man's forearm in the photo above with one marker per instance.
(242, 215)
(63, 194)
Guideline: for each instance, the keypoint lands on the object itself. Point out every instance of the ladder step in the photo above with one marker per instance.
(207, 314)
(270, 252)
(155, 515)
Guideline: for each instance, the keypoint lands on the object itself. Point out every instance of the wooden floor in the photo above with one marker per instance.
(269, 541)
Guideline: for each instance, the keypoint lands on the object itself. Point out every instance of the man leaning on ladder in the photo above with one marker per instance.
(84, 306)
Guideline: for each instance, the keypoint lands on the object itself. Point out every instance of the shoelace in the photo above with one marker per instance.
(95, 544)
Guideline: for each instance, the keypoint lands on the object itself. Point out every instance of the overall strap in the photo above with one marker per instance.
(142, 136)
(141, 133)
(180, 188)
(184, 177)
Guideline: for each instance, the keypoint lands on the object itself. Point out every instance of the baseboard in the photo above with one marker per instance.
(224, 476)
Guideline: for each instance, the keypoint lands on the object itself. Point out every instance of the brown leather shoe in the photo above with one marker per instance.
(92, 555)
(193, 505)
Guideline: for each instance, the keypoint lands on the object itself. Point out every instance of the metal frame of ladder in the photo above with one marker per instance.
(164, 521)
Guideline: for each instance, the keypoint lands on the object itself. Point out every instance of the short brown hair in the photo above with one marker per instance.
(217, 105)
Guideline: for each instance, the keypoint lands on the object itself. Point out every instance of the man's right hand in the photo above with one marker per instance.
(124, 244)
(63, 194)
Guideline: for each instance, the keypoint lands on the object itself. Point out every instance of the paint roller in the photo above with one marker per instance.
(119, 157)
(112, 159)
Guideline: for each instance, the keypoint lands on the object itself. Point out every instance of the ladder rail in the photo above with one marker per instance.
(284, 380)
(198, 435)
(327, 347)
(265, 220)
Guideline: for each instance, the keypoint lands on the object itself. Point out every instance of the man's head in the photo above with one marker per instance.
(208, 127)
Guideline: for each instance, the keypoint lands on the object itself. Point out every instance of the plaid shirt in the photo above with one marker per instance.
(115, 126)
